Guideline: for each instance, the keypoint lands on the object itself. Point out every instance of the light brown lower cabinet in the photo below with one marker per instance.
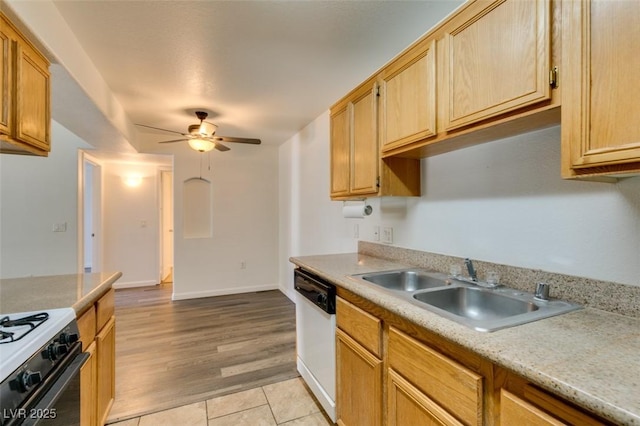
(516, 411)
(408, 406)
(525, 404)
(97, 377)
(106, 369)
(87, 384)
(455, 390)
(419, 378)
(359, 391)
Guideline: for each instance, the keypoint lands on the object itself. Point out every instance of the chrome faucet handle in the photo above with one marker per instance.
(472, 272)
(542, 292)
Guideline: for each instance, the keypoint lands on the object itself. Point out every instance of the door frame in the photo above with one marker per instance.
(165, 243)
(97, 212)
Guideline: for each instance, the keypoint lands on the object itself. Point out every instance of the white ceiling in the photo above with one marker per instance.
(261, 69)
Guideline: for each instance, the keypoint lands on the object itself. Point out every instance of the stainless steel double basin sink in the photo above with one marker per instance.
(483, 309)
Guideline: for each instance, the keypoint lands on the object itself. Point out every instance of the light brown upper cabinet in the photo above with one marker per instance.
(488, 71)
(25, 112)
(357, 170)
(340, 151)
(600, 97)
(364, 141)
(408, 97)
(354, 144)
(496, 61)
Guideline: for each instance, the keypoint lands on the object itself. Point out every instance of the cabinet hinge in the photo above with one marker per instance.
(553, 77)
(378, 91)
(378, 182)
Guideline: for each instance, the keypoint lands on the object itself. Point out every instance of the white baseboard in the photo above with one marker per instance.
(322, 396)
(132, 284)
(222, 291)
(289, 293)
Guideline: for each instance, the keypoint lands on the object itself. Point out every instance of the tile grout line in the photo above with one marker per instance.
(269, 404)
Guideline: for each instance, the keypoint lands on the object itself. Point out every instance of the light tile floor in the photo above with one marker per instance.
(285, 403)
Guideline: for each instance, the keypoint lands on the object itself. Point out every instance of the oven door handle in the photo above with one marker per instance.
(57, 389)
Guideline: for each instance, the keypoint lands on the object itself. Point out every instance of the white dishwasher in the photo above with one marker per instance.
(316, 337)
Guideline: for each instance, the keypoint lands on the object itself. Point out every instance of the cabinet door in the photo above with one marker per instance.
(5, 78)
(409, 97)
(359, 384)
(106, 365)
(88, 377)
(496, 61)
(515, 411)
(409, 406)
(340, 153)
(600, 108)
(32, 98)
(364, 136)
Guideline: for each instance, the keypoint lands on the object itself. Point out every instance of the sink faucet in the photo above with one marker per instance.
(470, 269)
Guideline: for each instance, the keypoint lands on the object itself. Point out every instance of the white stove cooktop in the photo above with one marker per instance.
(14, 354)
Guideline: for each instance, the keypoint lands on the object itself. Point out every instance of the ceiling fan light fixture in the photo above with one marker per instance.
(201, 145)
(207, 129)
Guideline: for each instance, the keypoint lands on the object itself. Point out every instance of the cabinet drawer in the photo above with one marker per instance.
(105, 308)
(558, 408)
(362, 327)
(87, 327)
(409, 406)
(515, 411)
(449, 384)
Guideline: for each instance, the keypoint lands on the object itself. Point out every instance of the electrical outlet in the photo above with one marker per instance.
(356, 231)
(376, 233)
(60, 227)
(387, 235)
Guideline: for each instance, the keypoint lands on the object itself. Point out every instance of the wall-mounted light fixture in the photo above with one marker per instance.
(132, 180)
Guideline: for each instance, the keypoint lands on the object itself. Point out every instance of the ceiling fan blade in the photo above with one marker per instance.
(174, 140)
(221, 147)
(158, 128)
(237, 140)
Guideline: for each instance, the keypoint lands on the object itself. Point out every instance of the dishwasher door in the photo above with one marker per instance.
(316, 352)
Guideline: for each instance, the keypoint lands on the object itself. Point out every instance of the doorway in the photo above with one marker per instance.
(91, 215)
(166, 223)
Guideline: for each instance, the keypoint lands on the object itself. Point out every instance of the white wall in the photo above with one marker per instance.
(35, 194)
(131, 224)
(310, 223)
(245, 223)
(502, 202)
(38, 192)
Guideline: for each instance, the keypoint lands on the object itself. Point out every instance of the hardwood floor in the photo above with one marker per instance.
(173, 353)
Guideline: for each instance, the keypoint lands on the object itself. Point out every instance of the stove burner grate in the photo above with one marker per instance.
(25, 325)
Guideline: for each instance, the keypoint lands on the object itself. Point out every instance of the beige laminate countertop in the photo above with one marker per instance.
(590, 357)
(77, 291)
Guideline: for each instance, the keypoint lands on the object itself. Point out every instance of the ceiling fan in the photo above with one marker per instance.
(201, 137)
